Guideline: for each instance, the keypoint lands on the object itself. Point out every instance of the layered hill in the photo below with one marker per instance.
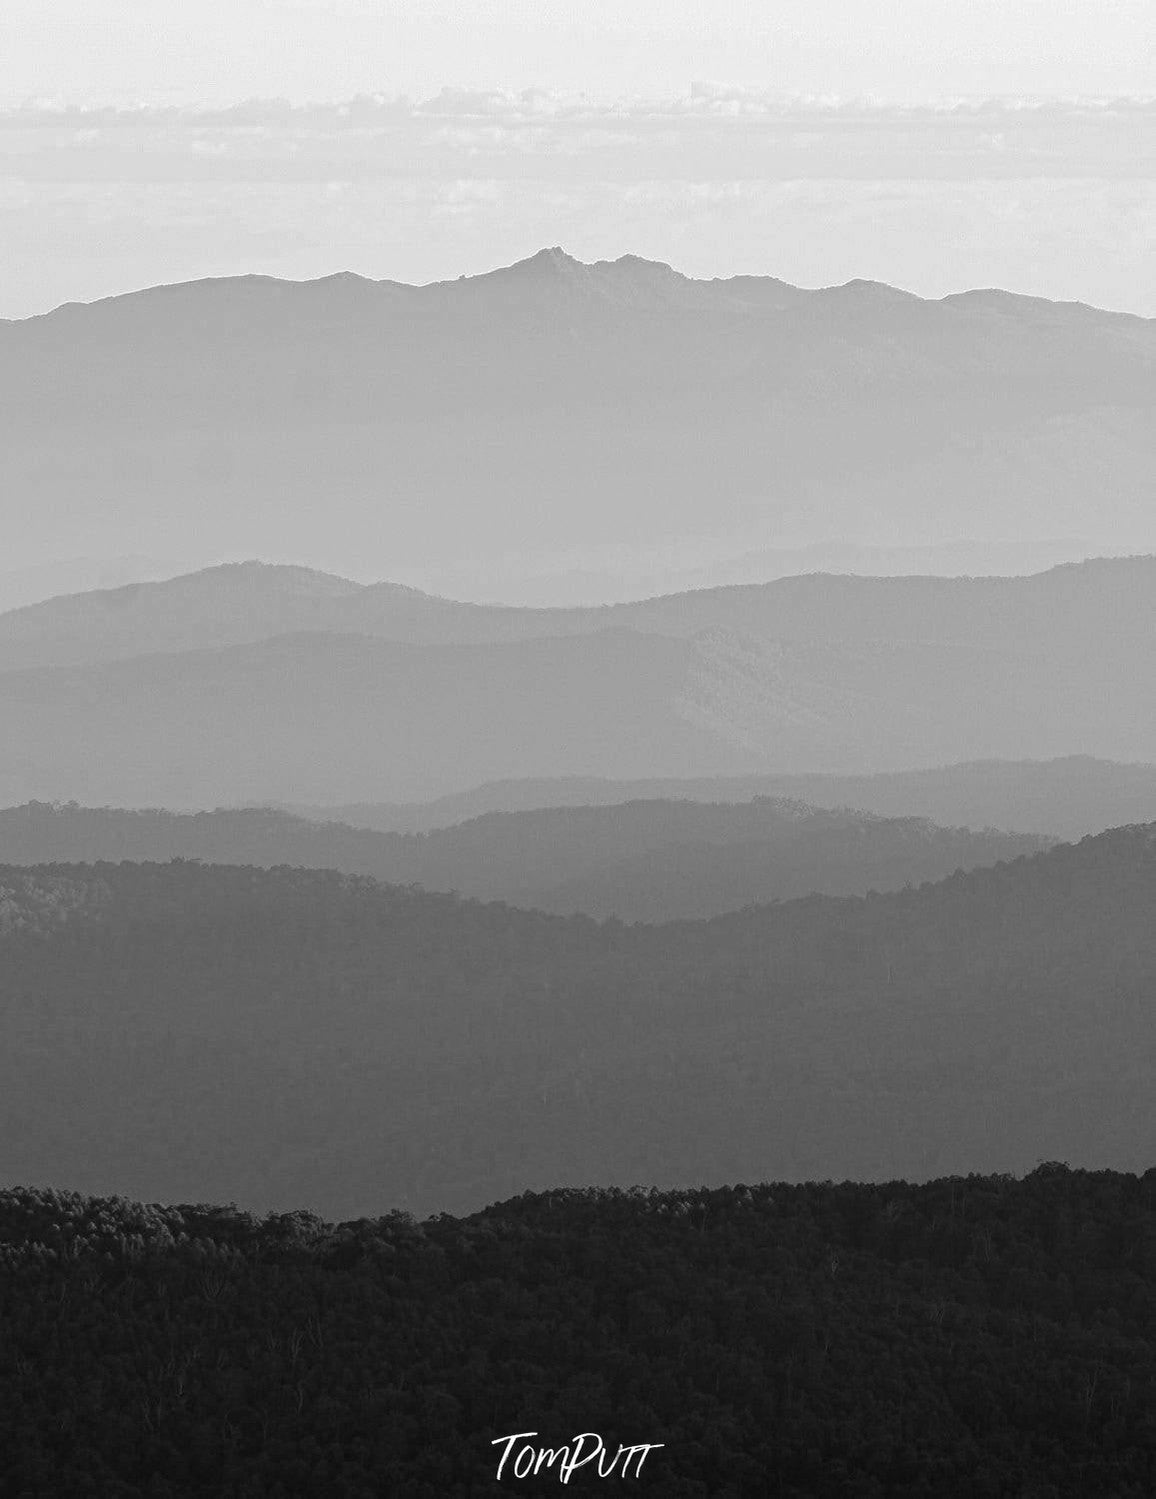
(289, 1038)
(1071, 796)
(829, 674)
(324, 717)
(1071, 611)
(552, 408)
(649, 860)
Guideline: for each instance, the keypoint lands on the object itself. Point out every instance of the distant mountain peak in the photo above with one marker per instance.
(862, 290)
(253, 568)
(552, 259)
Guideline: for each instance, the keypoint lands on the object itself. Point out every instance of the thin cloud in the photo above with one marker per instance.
(710, 132)
(704, 100)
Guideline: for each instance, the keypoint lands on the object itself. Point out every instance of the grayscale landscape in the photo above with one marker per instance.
(577, 750)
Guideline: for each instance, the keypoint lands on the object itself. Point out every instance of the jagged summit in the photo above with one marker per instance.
(551, 261)
(552, 258)
(631, 277)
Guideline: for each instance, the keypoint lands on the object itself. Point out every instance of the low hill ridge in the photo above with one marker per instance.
(645, 861)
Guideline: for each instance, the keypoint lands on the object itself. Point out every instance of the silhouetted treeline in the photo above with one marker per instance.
(294, 1037)
(980, 1336)
(645, 861)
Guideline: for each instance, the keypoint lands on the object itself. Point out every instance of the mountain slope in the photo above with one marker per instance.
(551, 409)
(293, 1037)
(829, 854)
(644, 861)
(308, 717)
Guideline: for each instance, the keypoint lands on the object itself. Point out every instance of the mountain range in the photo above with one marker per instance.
(557, 410)
(1070, 608)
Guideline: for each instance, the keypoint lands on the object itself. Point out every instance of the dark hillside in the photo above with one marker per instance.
(289, 1037)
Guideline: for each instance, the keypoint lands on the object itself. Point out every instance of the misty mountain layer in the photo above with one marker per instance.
(289, 1038)
(1071, 796)
(646, 861)
(1067, 610)
(832, 674)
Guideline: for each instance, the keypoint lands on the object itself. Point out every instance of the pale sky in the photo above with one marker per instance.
(815, 140)
(199, 51)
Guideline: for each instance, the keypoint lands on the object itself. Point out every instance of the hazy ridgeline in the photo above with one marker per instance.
(646, 860)
(1069, 797)
(255, 684)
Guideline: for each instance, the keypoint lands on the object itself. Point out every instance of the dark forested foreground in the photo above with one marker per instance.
(644, 861)
(977, 1336)
(297, 1038)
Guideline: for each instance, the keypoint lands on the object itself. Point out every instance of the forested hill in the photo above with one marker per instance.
(648, 860)
(294, 1038)
(979, 1336)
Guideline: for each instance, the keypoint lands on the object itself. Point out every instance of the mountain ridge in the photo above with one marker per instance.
(564, 411)
(555, 262)
(1071, 796)
(69, 629)
(643, 861)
